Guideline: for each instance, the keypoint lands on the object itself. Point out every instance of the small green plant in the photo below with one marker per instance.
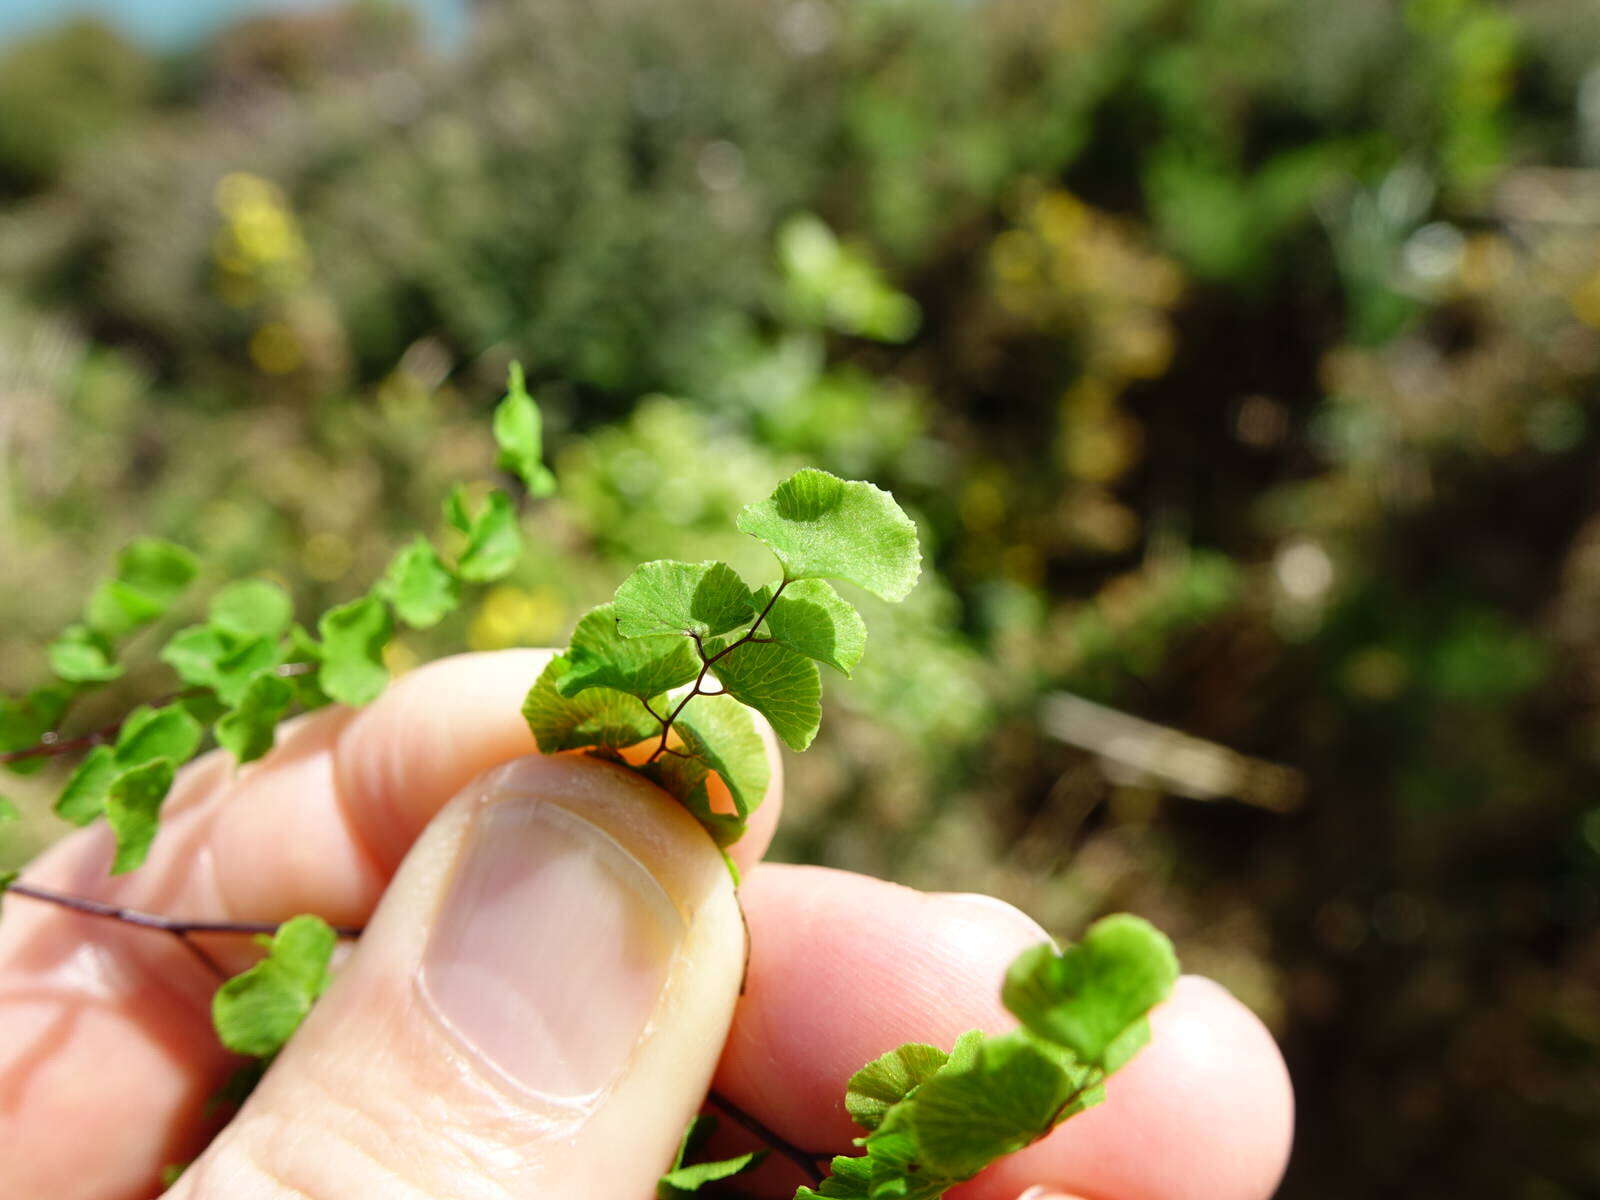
(638, 668)
(664, 678)
(934, 1119)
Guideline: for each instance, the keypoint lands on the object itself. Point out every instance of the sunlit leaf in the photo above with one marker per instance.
(705, 599)
(247, 731)
(151, 574)
(251, 609)
(518, 431)
(596, 717)
(25, 720)
(83, 798)
(779, 684)
(133, 810)
(821, 526)
(888, 1079)
(353, 638)
(963, 1120)
(812, 619)
(419, 586)
(257, 1011)
(211, 657)
(494, 543)
(80, 655)
(1092, 997)
(600, 656)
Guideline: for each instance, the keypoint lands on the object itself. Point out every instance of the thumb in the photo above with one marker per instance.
(535, 1009)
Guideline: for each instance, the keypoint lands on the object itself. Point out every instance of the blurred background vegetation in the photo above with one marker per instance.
(1240, 360)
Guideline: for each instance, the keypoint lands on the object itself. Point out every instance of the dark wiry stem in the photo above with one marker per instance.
(205, 960)
(705, 667)
(176, 926)
(52, 745)
(803, 1159)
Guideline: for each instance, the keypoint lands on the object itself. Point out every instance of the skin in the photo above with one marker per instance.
(109, 1057)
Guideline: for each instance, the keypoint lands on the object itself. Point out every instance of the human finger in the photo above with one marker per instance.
(898, 965)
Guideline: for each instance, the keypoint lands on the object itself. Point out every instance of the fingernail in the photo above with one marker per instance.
(1039, 1193)
(993, 906)
(551, 949)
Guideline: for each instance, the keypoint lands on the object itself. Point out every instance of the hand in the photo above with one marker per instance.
(547, 988)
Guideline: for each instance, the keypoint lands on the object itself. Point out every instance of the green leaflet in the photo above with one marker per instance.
(991, 1097)
(419, 586)
(167, 734)
(210, 657)
(151, 733)
(821, 526)
(888, 1079)
(718, 735)
(779, 684)
(133, 810)
(115, 610)
(251, 609)
(935, 1121)
(812, 619)
(8, 810)
(80, 655)
(704, 599)
(962, 1120)
(83, 798)
(599, 656)
(683, 777)
(248, 730)
(684, 1180)
(151, 574)
(596, 717)
(303, 648)
(494, 543)
(721, 733)
(26, 719)
(1093, 996)
(892, 1162)
(695, 1136)
(518, 432)
(879, 1098)
(839, 286)
(353, 638)
(256, 1012)
(848, 1179)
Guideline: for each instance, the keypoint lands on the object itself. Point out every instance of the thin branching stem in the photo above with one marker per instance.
(200, 954)
(803, 1159)
(53, 745)
(178, 926)
(705, 666)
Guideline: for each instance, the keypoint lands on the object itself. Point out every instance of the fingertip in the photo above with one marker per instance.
(844, 968)
(1005, 914)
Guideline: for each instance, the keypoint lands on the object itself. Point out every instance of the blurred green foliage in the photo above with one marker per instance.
(1238, 358)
